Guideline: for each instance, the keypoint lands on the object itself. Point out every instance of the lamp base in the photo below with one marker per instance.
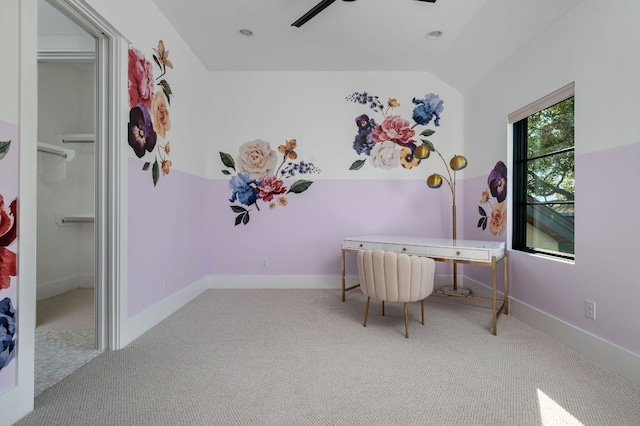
(462, 291)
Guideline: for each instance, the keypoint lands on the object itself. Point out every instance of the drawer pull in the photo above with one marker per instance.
(404, 249)
(457, 253)
(361, 245)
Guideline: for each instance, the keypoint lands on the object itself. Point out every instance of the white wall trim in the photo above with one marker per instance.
(274, 282)
(135, 327)
(54, 288)
(605, 353)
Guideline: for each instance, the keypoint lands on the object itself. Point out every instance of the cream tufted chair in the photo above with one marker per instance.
(395, 277)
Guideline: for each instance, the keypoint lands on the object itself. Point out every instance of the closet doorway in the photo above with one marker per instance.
(70, 295)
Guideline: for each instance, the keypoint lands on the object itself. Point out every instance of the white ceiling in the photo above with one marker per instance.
(364, 35)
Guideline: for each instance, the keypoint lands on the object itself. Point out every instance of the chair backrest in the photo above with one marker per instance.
(395, 277)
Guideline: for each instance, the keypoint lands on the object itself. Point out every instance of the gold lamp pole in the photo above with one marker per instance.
(457, 162)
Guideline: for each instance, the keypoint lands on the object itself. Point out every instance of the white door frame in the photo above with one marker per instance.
(109, 200)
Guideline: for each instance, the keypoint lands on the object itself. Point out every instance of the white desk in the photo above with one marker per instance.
(484, 253)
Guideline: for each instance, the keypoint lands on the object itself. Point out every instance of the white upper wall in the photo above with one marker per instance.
(594, 45)
(143, 25)
(311, 108)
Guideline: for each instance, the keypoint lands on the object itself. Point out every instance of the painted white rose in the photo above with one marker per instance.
(385, 155)
(256, 159)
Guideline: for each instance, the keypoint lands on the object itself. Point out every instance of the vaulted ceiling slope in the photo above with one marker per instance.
(363, 35)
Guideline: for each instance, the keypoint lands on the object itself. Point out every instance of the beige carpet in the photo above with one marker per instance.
(68, 311)
(302, 357)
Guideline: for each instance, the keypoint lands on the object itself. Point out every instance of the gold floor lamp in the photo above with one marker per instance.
(457, 162)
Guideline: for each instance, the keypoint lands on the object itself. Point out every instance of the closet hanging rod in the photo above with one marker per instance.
(66, 220)
(52, 152)
(76, 138)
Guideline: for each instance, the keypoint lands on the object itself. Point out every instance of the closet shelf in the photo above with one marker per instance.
(64, 153)
(76, 137)
(75, 218)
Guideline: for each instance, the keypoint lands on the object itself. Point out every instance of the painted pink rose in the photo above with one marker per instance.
(271, 186)
(140, 83)
(160, 114)
(256, 159)
(498, 221)
(385, 155)
(395, 129)
(8, 226)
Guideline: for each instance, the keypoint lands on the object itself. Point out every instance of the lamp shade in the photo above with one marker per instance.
(422, 152)
(434, 181)
(458, 162)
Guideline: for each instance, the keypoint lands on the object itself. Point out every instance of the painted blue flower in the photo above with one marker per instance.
(141, 137)
(243, 191)
(7, 332)
(497, 181)
(363, 141)
(427, 108)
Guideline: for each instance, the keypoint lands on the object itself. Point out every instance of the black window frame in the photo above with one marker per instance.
(521, 204)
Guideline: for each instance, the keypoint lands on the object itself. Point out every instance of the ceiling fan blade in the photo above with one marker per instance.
(313, 12)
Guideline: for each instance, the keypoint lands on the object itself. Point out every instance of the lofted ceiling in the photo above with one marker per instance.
(362, 35)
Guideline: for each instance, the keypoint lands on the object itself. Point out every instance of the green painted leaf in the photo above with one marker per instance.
(428, 144)
(238, 209)
(227, 160)
(427, 133)
(226, 172)
(357, 165)
(299, 186)
(242, 217)
(155, 172)
(4, 148)
(146, 166)
(482, 211)
(155, 58)
(166, 89)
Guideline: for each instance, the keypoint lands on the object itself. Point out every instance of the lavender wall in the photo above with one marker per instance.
(168, 229)
(304, 237)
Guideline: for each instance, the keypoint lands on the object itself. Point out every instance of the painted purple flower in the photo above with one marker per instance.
(427, 108)
(363, 141)
(497, 181)
(7, 332)
(141, 137)
(244, 189)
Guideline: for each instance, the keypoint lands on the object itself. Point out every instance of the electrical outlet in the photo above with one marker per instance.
(590, 309)
(265, 263)
(165, 281)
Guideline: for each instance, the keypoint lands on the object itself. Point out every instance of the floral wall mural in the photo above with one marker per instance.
(392, 142)
(262, 178)
(8, 253)
(493, 200)
(149, 100)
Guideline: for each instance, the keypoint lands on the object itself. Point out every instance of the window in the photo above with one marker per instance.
(544, 175)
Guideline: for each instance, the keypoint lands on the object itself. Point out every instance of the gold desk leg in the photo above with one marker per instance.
(343, 290)
(494, 303)
(506, 285)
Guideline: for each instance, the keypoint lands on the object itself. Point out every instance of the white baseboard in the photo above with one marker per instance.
(143, 322)
(54, 288)
(274, 281)
(607, 354)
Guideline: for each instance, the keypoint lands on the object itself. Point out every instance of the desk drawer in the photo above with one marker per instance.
(398, 248)
(482, 255)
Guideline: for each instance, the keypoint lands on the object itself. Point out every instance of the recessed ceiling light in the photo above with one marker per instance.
(434, 35)
(246, 32)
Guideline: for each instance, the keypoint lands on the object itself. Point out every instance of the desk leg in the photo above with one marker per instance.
(343, 290)
(494, 328)
(506, 285)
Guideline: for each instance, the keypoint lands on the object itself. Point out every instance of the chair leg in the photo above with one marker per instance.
(406, 321)
(366, 311)
(383, 308)
(422, 306)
